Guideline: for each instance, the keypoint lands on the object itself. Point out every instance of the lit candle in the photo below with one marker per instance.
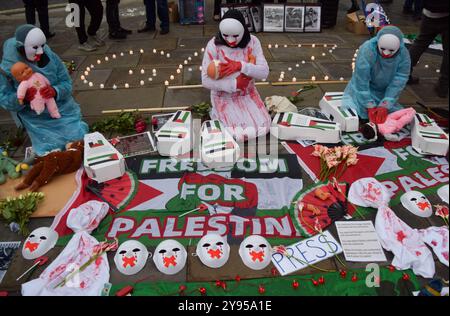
(142, 71)
(195, 54)
(106, 58)
(127, 85)
(280, 79)
(325, 45)
(166, 83)
(356, 55)
(189, 58)
(154, 71)
(83, 77)
(269, 46)
(289, 69)
(276, 45)
(114, 87)
(297, 65)
(162, 53)
(130, 72)
(114, 56)
(142, 82)
(303, 62)
(313, 78)
(330, 51)
(102, 86)
(88, 69)
(86, 73)
(203, 50)
(91, 84)
(313, 58)
(168, 55)
(200, 68)
(141, 50)
(323, 54)
(131, 52)
(341, 79)
(326, 78)
(154, 51)
(178, 71)
(438, 70)
(426, 66)
(294, 79)
(282, 76)
(85, 81)
(92, 66)
(122, 54)
(99, 61)
(313, 45)
(299, 45)
(185, 62)
(150, 79)
(189, 69)
(285, 46)
(172, 77)
(180, 66)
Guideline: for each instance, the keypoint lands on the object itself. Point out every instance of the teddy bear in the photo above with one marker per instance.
(53, 164)
(31, 80)
(11, 167)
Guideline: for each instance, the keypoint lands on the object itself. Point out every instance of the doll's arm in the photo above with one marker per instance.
(22, 91)
(260, 70)
(227, 84)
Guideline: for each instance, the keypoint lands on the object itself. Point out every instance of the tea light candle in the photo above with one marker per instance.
(426, 66)
(280, 79)
(185, 62)
(190, 69)
(127, 85)
(102, 86)
(313, 78)
(195, 54)
(114, 87)
(326, 78)
(172, 77)
(122, 54)
(142, 71)
(297, 65)
(269, 46)
(178, 71)
(313, 58)
(166, 83)
(180, 66)
(88, 69)
(154, 71)
(303, 62)
(141, 50)
(150, 79)
(85, 81)
(285, 46)
(131, 52)
(323, 54)
(313, 45)
(438, 70)
(86, 73)
(276, 45)
(83, 77)
(130, 72)
(341, 79)
(189, 58)
(106, 58)
(299, 45)
(168, 55)
(154, 51)
(294, 79)
(162, 53)
(200, 68)
(99, 61)
(142, 82)
(289, 69)
(91, 84)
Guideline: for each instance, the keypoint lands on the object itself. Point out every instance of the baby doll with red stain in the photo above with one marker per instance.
(29, 80)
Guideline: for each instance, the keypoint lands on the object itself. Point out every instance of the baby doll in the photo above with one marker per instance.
(387, 124)
(24, 74)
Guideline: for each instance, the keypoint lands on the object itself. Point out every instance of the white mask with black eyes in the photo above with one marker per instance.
(39, 242)
(131, 257)
(255, 252)
(388, 45)
(417, 203)
(213, 250)
(232, 31)
(34, 44)
(170, 257)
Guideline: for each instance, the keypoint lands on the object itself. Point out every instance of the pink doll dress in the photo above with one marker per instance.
(38, 104)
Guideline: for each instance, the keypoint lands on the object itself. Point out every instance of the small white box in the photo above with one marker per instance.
(427, 137)
(331, 107)
(174, 137)
(218, 148)
(293, 126)
(102, 162)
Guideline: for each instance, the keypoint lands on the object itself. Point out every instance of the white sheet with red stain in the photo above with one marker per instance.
(437, 239)
(396, 236)
(89, 282)
(242, 112)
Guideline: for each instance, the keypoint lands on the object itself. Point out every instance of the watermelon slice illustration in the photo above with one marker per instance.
(334, 208)
(118, 193)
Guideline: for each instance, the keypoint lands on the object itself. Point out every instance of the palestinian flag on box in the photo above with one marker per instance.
(253, 197)
(181, 116)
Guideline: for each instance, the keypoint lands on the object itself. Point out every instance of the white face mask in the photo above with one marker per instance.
(34, 44)
(417, 203)
(255, 252)
(131, 257)
(388, 45)
(39, 242)
(170, 257)
(213, 250)
(232, 31)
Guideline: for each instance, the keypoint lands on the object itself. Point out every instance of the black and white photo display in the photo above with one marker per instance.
(312, 18)
(294, 18)
(273, 18)
(245, 10)
(257, 18)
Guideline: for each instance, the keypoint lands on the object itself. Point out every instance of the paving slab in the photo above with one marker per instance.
(93, 102)
(192, 75)
(176, 57)
(121, 76)
(408, 97)
(183, 31)
(147, 44)
(303, 72)
(336, 70)
(96, 76)
(73, 49)
(298, 54)
(193, 43)
(312, 38)
(346, 54)
(127, 60)
(186, 97)
(274, 38)
(425, 91)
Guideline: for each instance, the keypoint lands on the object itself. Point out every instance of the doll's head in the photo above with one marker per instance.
(21, 71)
(370, 131)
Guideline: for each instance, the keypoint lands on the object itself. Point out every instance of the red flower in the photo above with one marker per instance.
(295, 284)
(441, 211)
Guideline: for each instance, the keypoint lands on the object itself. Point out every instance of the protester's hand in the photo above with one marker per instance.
(30, 94)
(229, 68)
(47, 92)
(242, 82)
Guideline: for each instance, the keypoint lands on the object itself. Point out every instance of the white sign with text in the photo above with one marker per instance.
(306, 252)
(360, 241)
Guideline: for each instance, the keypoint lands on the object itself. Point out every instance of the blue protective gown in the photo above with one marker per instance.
(46, 133)
(378, 81)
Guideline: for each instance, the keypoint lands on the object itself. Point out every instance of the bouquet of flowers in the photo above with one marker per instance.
(442, 212)
(334, 161)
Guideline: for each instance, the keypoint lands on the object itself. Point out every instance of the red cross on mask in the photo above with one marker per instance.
(215, 253)
(169, 261)
(257, 255)
(32, 246)
(129, 261)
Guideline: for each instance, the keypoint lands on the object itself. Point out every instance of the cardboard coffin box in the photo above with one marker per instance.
(427, 137)
(102, 162)
(356, 24)
(330, 105)
(293, 126)
(218, 148)
(175, 136)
